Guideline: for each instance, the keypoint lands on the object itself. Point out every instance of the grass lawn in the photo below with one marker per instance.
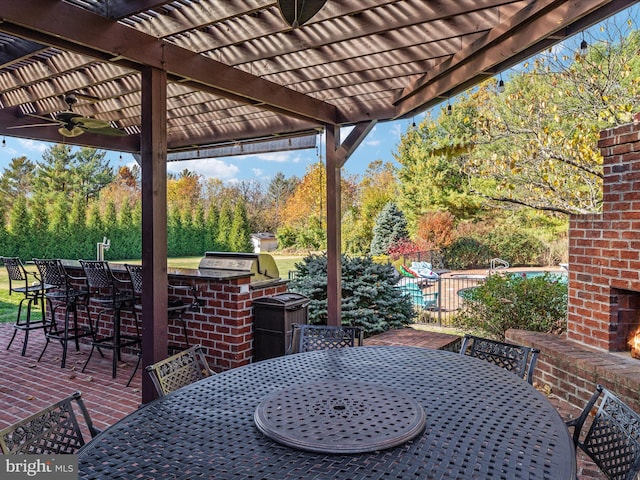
(9, 303)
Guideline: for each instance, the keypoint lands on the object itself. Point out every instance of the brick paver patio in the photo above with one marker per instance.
(28, 385)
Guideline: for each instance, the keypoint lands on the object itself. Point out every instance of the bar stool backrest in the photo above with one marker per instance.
(135, 273)
(52, 430)
(17, 273)
(51, 272)
(98, 274)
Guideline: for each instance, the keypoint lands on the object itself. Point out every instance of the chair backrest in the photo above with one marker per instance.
(98, 274)
(613, 438)
(15, 270)
(135, 274)
(53, 430)
(307, 338)
(518, 359)
(51, 272)
(179, 370)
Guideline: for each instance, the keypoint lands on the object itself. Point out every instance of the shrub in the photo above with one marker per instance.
(370, 298)
(537, 304)
(517, 248)
(467, 252)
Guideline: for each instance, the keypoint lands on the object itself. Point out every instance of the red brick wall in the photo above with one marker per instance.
(604, 249)
(572, 371)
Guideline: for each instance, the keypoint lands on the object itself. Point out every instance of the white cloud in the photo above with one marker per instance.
(207, 167)
(32, 145)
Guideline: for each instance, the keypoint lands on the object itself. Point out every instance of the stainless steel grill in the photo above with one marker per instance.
(261, 266)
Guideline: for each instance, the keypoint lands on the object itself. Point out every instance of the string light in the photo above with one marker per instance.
(449, 109)
(501, 85)
(584, 47)
(4, 143)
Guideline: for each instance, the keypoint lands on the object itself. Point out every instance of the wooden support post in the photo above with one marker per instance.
(334, 265)
(153, 151)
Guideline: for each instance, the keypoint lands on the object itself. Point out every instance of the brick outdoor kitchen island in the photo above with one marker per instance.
(223, 322)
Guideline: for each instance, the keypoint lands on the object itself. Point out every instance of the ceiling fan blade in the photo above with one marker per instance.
(299, 12)
(87, 122)
(113, 132)
(33, 125)
(43, 117)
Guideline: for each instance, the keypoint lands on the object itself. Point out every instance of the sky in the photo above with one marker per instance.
(379, 144)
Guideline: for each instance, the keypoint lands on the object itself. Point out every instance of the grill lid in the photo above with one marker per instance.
(261, 266)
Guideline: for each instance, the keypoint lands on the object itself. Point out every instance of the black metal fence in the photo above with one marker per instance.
(438, 301)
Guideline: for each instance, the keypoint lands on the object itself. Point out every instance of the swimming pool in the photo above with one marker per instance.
(553, 276)
(559, 275)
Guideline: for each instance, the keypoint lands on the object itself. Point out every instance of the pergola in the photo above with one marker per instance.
(183, 78)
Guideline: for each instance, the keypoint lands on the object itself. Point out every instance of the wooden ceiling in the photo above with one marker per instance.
(238, 72)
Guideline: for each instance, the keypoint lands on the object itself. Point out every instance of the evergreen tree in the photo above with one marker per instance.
(224, 228)
(79, 243)
(390, 227)
(128, 235)
(59, 224)
(174, 226)
(370, 296)
(17, 179)
(199, 230)
(240, 237)
(188, 239)
(40, 238)
(20, 226)
(91, 172)
(95, 228)
(211, 224)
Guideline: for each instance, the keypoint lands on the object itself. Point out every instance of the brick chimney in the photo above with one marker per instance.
(604, 250)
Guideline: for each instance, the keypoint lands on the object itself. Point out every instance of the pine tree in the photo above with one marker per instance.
(390, 227)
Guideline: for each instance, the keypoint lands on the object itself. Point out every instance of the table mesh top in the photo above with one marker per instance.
(340, 417)
(482, 422)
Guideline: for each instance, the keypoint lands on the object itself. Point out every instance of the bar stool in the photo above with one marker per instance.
(19, 283)
(63, 294)
(110, 294)
(176, 308)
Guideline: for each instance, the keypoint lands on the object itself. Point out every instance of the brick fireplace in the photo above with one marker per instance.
(604, 251)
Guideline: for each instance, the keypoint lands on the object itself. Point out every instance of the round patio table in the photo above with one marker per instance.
(463, 419)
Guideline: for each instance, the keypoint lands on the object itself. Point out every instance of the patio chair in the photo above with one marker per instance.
(53, 430)
(30, 286)
(518, 359)
(307, 338)
(613, 438)
(62, 295)
(179, 370)
(110, 295)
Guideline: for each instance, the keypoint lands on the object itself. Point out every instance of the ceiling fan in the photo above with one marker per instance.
(72, 124)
